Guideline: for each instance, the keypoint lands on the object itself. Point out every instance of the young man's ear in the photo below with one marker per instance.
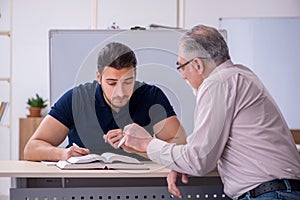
(98, 76)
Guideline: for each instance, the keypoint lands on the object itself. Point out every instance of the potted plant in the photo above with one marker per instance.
(36, 104)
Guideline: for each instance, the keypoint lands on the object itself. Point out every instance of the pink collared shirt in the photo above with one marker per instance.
(239, 129)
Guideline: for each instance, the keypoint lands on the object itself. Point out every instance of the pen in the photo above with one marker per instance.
(74, 144)
(122, 141)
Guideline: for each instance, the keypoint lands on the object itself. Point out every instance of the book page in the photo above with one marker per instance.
(86, 159)
(49, 163)
(104, 161)
(106, 157)
(298, 147)
(91, 165)
(113, 158)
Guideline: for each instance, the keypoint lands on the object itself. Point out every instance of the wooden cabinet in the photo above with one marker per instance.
(296, 135)
(27, 128)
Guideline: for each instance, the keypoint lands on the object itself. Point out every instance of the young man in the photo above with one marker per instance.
(87, 112)
(238, 128)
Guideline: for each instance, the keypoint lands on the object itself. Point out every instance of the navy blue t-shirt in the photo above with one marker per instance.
(147, 106)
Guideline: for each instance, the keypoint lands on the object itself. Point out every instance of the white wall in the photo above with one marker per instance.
(31, 21)
(31, 48)
(143, 13)
(254, 41)
(209, 12)
(33, 18)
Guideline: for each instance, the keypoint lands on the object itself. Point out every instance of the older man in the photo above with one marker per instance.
(238, 127)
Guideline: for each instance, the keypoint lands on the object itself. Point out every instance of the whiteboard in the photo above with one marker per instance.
(73, 60)
(271, 48)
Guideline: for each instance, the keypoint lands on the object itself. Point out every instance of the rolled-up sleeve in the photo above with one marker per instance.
(205, 145)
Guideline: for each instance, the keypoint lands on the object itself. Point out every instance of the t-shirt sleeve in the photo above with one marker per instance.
(62, 109)
(161, 107)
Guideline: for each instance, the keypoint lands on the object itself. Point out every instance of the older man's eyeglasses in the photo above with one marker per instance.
(180, 67)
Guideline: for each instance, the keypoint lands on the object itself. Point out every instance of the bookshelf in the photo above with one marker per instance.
(6, 78)
(6, 132)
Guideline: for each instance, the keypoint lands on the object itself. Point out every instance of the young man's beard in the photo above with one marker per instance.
(126, 97)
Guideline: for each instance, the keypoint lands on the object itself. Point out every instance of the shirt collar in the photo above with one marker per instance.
(223, 65)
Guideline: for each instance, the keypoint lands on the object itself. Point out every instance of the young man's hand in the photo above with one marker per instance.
(74, 151)
(113, 137)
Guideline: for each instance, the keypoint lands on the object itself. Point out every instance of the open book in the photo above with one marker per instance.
(104, 161)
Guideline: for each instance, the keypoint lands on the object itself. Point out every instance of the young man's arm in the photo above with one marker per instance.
(170, 130)
(43, 143)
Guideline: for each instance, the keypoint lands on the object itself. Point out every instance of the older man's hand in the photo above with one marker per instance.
(172, 178)
(137, 138)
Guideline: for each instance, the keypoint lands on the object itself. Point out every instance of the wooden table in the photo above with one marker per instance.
(37, 181)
